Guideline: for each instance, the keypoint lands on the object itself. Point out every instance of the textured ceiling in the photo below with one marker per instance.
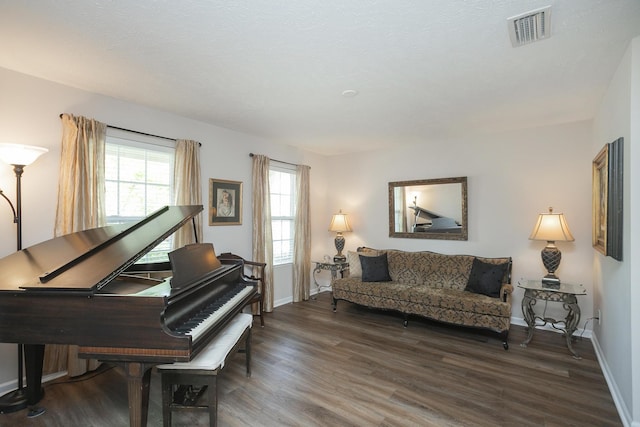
(424, 69)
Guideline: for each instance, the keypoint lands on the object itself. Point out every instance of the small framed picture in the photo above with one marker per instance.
(225, 202)
(600, 188)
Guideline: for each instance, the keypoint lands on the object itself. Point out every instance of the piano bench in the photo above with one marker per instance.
(184, 383)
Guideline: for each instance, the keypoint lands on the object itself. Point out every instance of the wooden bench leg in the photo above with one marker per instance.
(213, 400)
(247, 350)
(167, 398)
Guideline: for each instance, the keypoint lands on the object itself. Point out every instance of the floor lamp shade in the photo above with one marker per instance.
(20, 155)
(339, 224)
(551, 227)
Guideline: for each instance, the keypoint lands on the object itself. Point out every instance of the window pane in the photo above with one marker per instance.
(111, 198)
(287, 230)
(276, 229)
(275, 205)
(132, 165)
(132, 199)
(159, 168)
(286, 205)
(111, 162)
(157, 197)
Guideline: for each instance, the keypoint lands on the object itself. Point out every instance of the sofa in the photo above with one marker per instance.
(462, 290)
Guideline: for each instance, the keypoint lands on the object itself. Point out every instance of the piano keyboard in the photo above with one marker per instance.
(209, 315)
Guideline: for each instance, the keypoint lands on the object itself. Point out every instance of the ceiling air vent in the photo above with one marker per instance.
(530, 27)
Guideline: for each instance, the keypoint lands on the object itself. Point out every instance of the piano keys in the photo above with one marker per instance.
(79, 289)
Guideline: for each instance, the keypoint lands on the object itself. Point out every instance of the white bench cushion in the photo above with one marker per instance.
(213, 356)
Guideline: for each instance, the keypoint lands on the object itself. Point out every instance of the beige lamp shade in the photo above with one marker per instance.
(17, 154)
(551, 227)
(339, 223)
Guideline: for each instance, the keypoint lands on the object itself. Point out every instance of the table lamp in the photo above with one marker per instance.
(551, 227)
(339, 224)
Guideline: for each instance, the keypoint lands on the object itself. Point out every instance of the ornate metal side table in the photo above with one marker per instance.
(334, 267)
(565, 293)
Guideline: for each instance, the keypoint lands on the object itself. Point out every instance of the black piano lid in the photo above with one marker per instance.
(86, 261)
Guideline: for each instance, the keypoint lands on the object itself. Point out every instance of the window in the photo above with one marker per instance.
(282, 183)
(138, 181)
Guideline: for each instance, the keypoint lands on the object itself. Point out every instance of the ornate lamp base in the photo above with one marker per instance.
(551, 257)
(339, 247)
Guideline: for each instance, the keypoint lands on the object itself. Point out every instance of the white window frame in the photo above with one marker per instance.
(149, 143)
(279, 240)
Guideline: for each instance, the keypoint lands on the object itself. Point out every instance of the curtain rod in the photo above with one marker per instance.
(144, 133)
(279, 161)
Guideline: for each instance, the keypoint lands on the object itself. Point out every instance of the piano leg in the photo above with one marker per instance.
(138, 382)
(33, 359)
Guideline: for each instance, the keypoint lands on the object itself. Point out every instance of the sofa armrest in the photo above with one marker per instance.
(505, 292)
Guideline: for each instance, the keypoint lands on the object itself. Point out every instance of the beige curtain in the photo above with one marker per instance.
(188, 189)
(262, 238)
(302, 237)
(80, 206)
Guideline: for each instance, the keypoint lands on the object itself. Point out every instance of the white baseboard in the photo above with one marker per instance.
(8, 386)
(584, 333)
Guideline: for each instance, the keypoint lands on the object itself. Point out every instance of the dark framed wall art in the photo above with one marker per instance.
(225, 202)
(608, 199)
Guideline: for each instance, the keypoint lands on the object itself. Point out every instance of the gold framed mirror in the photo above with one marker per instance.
(429, 209)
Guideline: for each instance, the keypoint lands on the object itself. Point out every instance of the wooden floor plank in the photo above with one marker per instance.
(359, 367)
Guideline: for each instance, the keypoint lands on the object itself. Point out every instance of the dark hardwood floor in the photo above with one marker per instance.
(357, 367)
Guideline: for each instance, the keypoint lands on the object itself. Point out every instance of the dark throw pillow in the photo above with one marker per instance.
(486, 278)
(375, 268)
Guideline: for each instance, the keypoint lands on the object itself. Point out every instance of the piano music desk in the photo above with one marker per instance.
(204, 370)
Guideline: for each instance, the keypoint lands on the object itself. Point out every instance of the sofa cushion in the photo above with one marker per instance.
(353, 258)
(436, 270)
(375, 268)
(485, 278)
(463, 302)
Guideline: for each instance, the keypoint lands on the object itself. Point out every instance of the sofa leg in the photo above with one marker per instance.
(406, 320)
(505, 339)
(334, 305)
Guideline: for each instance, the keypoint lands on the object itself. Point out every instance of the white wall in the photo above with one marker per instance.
(615, 283)
(512, 177)
(29, 114)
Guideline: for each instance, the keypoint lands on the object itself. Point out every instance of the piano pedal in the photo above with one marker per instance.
(188, 395)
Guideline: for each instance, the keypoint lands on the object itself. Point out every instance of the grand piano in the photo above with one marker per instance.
(82, 289)
(437, 223)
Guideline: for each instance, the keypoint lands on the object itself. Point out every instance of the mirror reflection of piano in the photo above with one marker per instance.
(436, 223)
(84, 289)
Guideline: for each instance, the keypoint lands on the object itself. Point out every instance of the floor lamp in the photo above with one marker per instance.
(17, 156)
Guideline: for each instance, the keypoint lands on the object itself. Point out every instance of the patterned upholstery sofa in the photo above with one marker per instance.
(458, 289)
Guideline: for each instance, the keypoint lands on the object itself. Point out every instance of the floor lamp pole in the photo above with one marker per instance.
(17, 399)
(19, 156)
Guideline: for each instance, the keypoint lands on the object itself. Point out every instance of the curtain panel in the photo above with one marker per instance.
(302, 237)
(81, 205)
(188, 188)
(262, 236)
